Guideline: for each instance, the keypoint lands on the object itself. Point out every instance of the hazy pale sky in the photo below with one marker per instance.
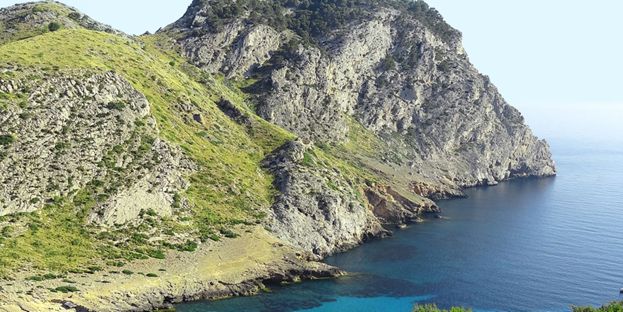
(558, 61)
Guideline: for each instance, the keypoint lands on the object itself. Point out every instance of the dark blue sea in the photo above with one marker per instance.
(529, 245)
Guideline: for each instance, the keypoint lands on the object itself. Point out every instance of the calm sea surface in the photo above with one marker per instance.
(531, 245)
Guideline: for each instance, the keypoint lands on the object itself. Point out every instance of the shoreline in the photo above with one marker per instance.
(215, 271)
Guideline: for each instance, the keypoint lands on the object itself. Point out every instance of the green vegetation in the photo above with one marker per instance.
(66, 289)
(151, 275)
(127, 272)
(53, 241)
(6, 139)
(611, 307)
(228, 233)
(314, 18)
(75, 16)
(116, 105)
(48, 276)
(188, 246)
(20, 28)
(157, 254)
(228, 189)
(308, 159)
(54, 26)
(389, 63)
(434, 308)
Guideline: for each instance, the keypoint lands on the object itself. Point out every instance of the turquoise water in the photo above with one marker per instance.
(530, 245)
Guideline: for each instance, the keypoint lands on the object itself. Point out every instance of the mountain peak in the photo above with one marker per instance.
(30, 19)
(308, 19)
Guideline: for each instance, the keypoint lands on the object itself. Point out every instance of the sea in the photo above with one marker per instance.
(524, 245)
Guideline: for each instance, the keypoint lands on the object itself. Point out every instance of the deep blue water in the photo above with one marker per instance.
(529, 245)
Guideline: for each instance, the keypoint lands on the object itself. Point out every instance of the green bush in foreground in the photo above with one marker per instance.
(434, 308)
(611, 307)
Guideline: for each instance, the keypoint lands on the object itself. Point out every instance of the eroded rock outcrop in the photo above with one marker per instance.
(73, 129)
(320, 208)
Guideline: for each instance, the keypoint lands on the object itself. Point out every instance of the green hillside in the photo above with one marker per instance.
(229, 187)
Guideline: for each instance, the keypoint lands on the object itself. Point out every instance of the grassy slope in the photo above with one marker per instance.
(229, 188)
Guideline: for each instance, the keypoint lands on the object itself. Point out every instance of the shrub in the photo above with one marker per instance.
(44, 277)
(93, 269)
(188, 246)
(177, 199)
(75, 16)
(116, 105)
(54, 26)
(611, 307)
(6, 231)
(389, 63)
(61, 146)
(6, 139)
(308, 159)
(66, 289)
(115, 263)
(127, 272)
(151, 275)
(151, 212)
(156, 253)
(444, 66)
(228, 233)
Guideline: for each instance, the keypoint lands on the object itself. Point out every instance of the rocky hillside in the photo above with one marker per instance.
(393, 70)
(30, 19)
(310, 126)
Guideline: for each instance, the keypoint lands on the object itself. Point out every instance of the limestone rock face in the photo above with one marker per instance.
(394, 73)
(78, 128)
(397, 69)
(318, 209)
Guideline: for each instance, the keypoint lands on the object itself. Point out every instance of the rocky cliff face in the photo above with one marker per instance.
(394, 67)
(75, 128)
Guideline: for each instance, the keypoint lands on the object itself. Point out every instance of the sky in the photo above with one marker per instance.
(558, 61)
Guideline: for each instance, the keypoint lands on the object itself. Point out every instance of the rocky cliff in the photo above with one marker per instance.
(393, 67)
(315, 125)
(76, 128)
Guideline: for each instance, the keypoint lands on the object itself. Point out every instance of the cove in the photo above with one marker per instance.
(525, 245)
